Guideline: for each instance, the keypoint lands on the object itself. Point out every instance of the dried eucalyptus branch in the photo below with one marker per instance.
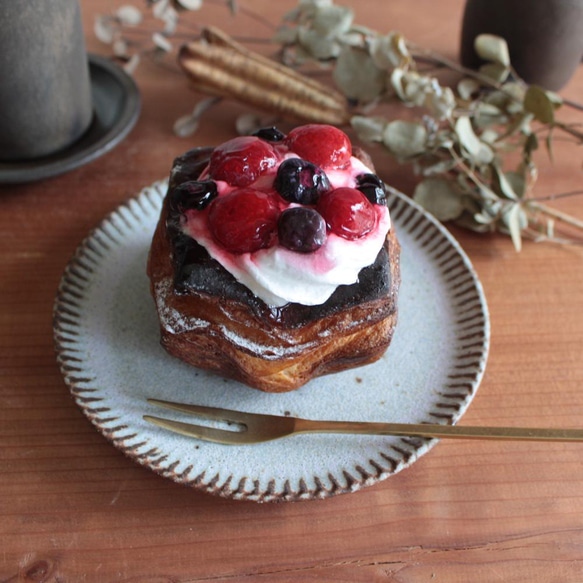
(460, 147)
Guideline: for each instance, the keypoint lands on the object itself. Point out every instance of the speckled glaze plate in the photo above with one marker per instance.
(107, 339)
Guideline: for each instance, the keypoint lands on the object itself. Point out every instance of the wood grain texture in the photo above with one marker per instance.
(72, 508)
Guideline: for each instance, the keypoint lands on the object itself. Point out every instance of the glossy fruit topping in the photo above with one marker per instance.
(301, 181)
(271, 134)
(347, 212)
(323, 145)
(192, 195)
(372, 187)
(301, 229)
(241, 161)
(244, 220)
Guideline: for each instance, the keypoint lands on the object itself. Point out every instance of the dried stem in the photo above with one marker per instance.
(551, 212)
(556, 196)
(428, 56)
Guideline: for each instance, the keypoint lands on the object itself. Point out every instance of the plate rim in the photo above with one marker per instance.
(64, 312)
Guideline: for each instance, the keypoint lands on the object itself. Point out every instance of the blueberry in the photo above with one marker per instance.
(192, 195)
(372, 187)
(301, 229)
(301, 181)
(271, 134)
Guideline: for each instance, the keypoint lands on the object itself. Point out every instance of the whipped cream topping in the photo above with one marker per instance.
(278, 275)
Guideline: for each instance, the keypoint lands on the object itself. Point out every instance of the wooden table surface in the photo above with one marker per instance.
(73, 508)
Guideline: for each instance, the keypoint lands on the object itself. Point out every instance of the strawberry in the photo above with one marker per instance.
(244, 220)
(241, 161)
(347, 212)
(323, 145)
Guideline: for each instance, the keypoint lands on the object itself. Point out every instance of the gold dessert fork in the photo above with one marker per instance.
(256, 427)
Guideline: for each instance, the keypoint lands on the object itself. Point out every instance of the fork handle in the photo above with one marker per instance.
(439, 431)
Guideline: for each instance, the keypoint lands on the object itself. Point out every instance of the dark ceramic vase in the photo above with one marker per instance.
(45, 96)
(545, 37)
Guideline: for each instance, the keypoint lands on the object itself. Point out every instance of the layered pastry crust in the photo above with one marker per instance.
(211, 321)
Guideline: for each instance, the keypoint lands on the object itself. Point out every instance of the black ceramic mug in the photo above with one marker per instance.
(45, 94)
(545, 37)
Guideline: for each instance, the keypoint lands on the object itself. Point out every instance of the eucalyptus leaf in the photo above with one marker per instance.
(131, 66)
(120, 48)
(439, 197)
(492, 48)
(190, 4)
(467, 87)
(397, 77)
(369, 129)
(498, 98)
(484, 218)
(389, 50)
(515, 90)
(471, 205)
(555, 99)
(404, 138)
(495, 71)
(160, 8)
(353, 39)
(441, 103)
(317, 46)
(549, 144)
(515, 220)
(488, 109)
(489, 136)
(161, 42)
(103, 29)
(501, 184)
(538, 102)
(519, 123)
(332, 21)
(478, 150)
(166, 12)
(467, 221)
(441, 167)
(488, 195)
(382, 53)
(129, 15)
(188, 124)
(445, 139)
(357, 76)
(517, 182)
(530, 145)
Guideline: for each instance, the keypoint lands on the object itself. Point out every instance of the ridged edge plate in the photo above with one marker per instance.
(112, 401)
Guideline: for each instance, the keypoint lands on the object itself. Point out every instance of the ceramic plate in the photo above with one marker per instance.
(107, 339)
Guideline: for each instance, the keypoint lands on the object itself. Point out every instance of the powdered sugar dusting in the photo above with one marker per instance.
(172, 320)
(265, 351)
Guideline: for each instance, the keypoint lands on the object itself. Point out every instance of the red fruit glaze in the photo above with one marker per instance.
(244, 220)
(347, 212)
(323, 145)
(241, 161)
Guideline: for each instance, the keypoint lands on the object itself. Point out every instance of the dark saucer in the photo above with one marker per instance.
(116, 106)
